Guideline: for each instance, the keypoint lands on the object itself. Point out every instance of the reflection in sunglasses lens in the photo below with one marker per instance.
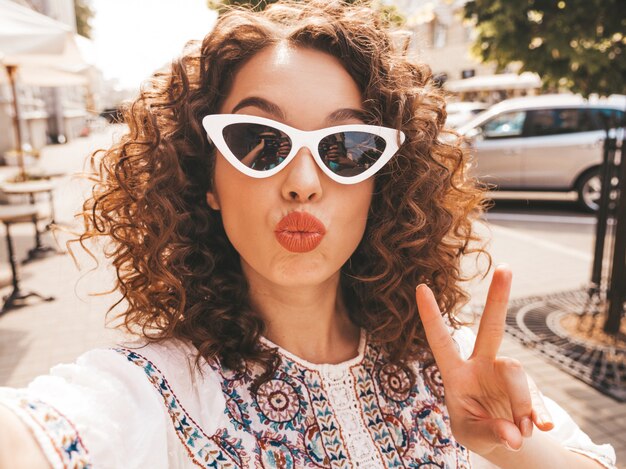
(259, 147)
(351, 153)
(263, 147)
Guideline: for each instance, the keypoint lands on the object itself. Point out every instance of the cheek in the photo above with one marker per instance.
(353, 212)
(239, 201)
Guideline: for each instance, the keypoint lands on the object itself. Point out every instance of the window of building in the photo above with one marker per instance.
(440, 35)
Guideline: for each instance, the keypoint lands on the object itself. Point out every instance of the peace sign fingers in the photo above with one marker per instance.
(491, 329)
(437, 333)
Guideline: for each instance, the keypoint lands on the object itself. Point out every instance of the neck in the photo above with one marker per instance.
(309, 321)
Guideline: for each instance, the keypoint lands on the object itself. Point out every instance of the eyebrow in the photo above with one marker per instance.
(334, 117)
(262, 104)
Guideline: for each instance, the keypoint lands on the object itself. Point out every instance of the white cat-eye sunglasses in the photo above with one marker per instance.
(260, 147)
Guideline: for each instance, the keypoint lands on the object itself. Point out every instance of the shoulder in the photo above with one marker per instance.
(173, 369)
(80, 411)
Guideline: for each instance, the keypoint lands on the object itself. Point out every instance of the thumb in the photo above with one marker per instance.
(497, 432)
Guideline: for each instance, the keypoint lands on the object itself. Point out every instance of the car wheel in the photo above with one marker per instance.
(590, 190)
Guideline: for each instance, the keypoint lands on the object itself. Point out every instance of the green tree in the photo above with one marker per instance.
(390, 12)
(84, 13)
(575, 44)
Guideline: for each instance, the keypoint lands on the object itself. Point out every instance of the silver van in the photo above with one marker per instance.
(544, 143)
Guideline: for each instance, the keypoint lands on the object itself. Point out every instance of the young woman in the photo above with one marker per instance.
(279, 196)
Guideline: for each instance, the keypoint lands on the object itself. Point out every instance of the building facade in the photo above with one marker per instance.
(47, 114)
(443, 39)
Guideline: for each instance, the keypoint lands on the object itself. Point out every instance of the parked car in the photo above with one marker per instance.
(544, 143)
(461, 112)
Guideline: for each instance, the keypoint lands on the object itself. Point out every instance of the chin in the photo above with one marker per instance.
(303, 273)
(301, 278)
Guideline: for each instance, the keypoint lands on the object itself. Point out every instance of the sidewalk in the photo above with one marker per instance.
(34, 338)
(540, 268)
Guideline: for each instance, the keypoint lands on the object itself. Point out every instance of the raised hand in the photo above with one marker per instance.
(489, 399)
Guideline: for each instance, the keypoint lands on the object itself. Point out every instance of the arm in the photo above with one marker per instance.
(89, 413)
(540, 450)
(18, 448)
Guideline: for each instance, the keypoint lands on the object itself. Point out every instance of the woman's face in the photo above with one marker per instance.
(302, 88)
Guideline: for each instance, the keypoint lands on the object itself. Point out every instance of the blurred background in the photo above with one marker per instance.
(535, 90)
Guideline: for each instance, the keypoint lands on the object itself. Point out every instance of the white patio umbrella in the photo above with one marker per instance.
(39, 51)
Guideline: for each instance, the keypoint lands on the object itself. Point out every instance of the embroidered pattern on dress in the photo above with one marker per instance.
(416, 420)
(217, 451)
(298, 417)
(288, 417)
(62, 434)
(328, 432)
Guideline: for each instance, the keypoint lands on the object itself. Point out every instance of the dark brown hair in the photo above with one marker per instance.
(179, 275)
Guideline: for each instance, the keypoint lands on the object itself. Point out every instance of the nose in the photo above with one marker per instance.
(303, 179)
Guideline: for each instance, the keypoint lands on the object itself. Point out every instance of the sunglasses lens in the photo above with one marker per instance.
(259, 147)
(351, 153)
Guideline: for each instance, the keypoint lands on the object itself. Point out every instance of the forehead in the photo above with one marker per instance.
(304, 83)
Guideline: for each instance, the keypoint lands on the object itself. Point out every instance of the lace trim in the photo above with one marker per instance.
(340, 387)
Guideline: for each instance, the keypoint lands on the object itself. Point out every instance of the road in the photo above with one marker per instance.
(560, 224)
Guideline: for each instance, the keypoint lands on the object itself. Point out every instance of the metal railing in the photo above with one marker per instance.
(607, 289)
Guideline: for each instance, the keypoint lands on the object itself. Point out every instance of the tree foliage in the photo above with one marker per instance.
(390, 13)
(575, 44)
(84, 13)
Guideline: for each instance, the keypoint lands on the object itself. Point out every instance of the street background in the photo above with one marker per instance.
(91, 56)
(547, 244)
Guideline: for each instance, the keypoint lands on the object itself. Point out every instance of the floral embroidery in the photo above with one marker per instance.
(218, 451)
(434, 380)
(432, 426)
(275, 454)
(237, 409)
(398, 433)
(374, 419)
(278, 400)
(416, 419)
(330, 434)
(315, 446)
(395, 382)
(61, 433)
(298, 418)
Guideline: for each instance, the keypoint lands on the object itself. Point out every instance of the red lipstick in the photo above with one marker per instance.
(299, 232)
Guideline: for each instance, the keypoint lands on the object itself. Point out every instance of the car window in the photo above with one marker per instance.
(606, 118)
(507, 125)
(558, 121)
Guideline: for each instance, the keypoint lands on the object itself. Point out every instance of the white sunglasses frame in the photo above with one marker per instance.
(214, 124)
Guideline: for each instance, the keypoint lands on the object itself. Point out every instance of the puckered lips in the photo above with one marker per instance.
(299, 232)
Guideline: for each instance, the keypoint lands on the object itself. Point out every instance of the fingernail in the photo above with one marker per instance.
(506, 444)
(420, 286)
(544, 418)
(526, 427)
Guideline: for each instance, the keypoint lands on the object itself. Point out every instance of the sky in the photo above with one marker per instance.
(132, 38)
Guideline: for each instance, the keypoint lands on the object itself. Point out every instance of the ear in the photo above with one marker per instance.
(212, 200)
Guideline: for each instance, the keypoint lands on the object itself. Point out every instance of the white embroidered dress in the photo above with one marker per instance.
(149, 407)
